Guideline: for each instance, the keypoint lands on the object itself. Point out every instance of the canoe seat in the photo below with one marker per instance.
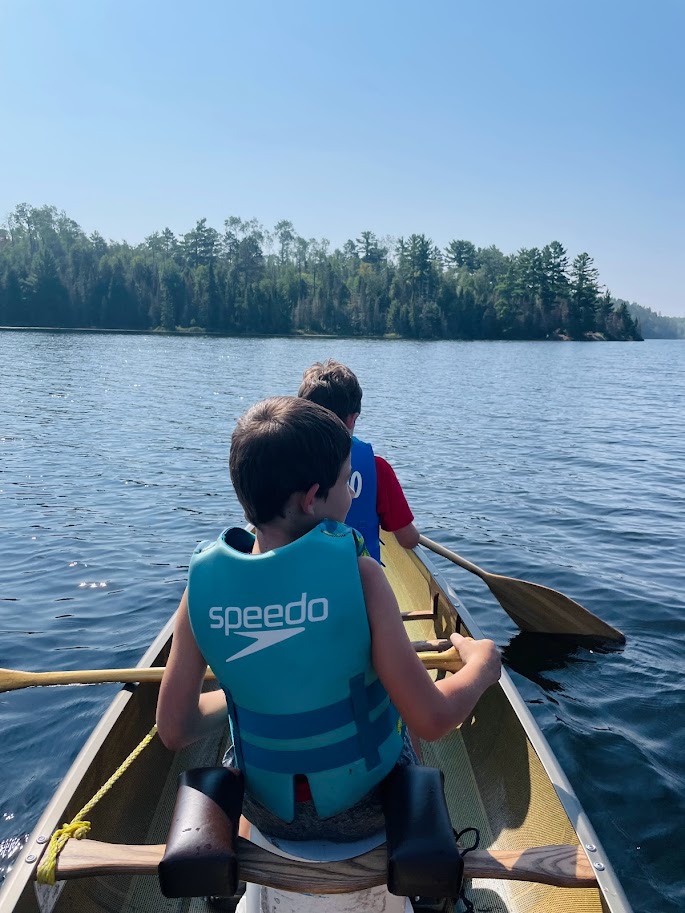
(422, 854)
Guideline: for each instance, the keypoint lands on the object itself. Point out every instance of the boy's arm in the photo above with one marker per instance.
(407, 536)
(430, 709)
(391, 505)
(184, 714)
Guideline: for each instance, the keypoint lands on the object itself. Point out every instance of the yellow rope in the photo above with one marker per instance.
(78, 827)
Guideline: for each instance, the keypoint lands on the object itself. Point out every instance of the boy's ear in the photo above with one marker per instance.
(351, 420)
(308, 499)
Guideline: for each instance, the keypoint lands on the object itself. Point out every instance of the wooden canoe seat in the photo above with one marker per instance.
(201, 859)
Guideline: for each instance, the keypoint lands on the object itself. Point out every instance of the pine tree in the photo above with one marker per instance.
(584, 298)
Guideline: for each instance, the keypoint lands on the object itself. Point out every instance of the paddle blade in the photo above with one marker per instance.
(538, 608)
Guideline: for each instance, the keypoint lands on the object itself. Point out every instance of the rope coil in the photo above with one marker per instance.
(77, 827)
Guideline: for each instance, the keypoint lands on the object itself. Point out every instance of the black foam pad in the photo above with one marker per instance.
(200, 857)
(423, 856)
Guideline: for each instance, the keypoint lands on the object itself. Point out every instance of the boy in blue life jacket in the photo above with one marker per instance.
(378, 500)
(303, 632)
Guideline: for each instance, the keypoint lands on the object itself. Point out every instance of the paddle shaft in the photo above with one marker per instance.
(454, 558)
(12, 679)
(532, 606)
(433, 657)
(563, 866)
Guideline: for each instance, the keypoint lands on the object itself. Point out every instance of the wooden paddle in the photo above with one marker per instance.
(534, 607)
(563, 866)
(441, 656)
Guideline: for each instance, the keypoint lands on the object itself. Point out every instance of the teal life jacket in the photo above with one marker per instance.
(287, 635)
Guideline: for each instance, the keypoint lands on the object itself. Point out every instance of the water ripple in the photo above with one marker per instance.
(562, 464)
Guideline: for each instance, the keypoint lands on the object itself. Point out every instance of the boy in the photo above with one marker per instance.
(305, 637)
(378, 497)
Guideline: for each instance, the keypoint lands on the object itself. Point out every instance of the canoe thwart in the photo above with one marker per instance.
(431, 646)
(563, 866)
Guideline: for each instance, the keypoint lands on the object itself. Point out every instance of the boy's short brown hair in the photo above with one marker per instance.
(281, 446)
(332, 385)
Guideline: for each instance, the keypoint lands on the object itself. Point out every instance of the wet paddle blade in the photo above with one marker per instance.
(538, 608)
(532, 606)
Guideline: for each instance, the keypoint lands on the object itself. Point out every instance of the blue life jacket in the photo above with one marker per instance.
(287, 635)
(362, 514)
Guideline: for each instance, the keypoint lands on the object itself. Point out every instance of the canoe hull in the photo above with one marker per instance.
(500, 775)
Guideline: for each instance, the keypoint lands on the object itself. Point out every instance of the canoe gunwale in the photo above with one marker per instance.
(53, 815)
(610, 887)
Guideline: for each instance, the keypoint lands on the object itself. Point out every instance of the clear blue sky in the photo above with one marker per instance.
(507, 122)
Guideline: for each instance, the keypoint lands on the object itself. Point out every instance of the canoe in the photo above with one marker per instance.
(500, 777)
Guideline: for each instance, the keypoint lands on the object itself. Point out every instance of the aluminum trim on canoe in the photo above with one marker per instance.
(609, 884)
(51, 819)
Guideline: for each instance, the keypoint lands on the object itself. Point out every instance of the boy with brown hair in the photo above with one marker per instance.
(378, 499)
(318, 678)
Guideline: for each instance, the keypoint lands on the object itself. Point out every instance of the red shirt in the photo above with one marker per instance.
(391, 504)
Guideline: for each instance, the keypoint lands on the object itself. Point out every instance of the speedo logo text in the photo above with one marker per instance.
(254, 617)
(267, 625)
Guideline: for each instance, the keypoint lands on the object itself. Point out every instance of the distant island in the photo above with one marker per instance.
(653, 325)
(249, 280)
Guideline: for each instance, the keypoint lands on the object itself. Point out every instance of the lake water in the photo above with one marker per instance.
(557, 462)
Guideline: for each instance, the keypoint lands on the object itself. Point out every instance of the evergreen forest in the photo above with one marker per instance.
(246, 279)
(654, 325)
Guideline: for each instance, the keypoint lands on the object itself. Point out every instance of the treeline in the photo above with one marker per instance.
(654, 325)
(246, 279)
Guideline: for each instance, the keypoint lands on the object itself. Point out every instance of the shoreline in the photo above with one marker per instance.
(391, 337)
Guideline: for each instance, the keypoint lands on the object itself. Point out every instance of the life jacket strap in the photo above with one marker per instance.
(327, 757)
(360, 704)
(364, 699)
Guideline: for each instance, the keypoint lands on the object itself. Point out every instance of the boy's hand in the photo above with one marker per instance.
(482, 653)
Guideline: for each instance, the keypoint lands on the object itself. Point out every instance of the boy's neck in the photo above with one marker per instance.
(279, 533)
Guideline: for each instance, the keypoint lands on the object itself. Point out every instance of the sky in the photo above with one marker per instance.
(507, 122)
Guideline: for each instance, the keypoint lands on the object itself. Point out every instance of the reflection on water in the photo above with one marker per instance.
(559, 463)
(10, 849)
(531, 654)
